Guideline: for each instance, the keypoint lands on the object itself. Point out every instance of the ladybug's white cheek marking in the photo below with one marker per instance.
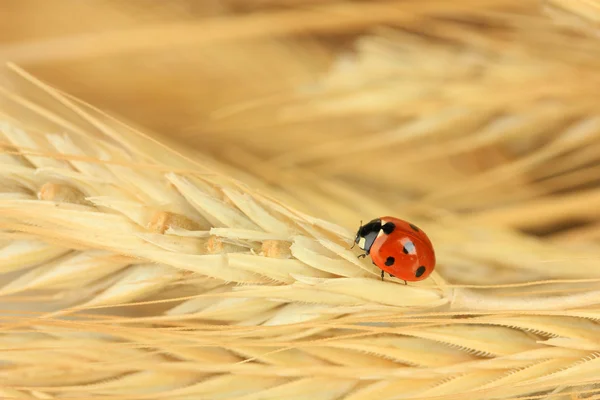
(361, 243)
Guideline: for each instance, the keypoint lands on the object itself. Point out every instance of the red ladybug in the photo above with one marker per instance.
(397, 247)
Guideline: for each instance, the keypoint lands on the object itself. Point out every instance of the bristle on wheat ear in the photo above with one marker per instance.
(130, 270)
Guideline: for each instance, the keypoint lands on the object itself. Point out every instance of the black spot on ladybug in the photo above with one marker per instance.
(420, 271)
(409, 247)
(390, 261)
(388, 228)
(414, 227)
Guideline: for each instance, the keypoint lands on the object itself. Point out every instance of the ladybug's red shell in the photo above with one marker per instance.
(398, 248)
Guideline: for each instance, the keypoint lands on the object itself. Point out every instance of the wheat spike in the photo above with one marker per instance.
(182, 284)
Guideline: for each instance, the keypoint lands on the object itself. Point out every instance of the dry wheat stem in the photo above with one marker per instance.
(316, 19)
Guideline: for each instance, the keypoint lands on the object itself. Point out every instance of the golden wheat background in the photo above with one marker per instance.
(180, 183)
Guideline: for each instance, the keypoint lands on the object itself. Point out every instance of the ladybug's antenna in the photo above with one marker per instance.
(356, 235)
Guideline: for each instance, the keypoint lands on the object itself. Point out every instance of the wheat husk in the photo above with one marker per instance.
(165, 263)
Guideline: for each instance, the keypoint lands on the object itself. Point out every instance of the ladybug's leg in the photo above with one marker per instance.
(405, 283)
(382, 274)
(362, 255)
(391, 275)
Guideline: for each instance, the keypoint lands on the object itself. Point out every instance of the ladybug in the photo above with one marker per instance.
(397, 247)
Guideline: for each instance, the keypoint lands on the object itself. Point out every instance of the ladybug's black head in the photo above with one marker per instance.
(366, 234)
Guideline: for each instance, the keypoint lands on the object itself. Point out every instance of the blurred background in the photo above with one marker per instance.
(467, 112)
